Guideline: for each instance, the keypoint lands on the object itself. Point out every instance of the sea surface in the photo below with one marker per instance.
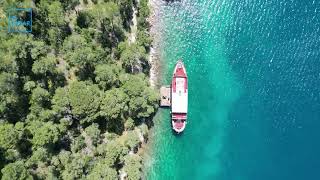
(254, 91)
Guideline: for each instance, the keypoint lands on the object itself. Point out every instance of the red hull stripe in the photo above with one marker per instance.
(179, 116)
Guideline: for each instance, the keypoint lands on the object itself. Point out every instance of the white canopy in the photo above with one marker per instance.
(180, 97)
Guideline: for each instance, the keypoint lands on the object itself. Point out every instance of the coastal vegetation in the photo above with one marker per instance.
(75, 100)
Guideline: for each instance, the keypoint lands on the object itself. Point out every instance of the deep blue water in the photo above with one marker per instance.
(275, 125)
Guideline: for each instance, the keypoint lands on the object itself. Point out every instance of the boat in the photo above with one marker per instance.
(179, 98)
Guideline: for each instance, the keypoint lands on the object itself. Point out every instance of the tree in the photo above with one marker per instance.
(133, 166)
(78, 144)
(114, 104)
(126, 12)
(49, 22)
(144, 39)
(45, 66)
(143, 100)
(9, 97)
(16, 170)
(106, 12)
(61, 103)
(40, 99)
(84, 19)
(40, 155)
(54, 14)
(93, 132)
(107, 76)
(133, 57)
(111, 152)
(84, 101)
(129, 124)
(84, 55)
(108, 19)
(77, 167)
(9, 136)
(132, 140)
(144, 12)
(145, 105)
(12, 155)
(44, 133)
(69, 4)
(58, 31)
(102, 171)
(64, 157)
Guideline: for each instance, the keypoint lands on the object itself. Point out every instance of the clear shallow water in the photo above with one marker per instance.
(254, 90)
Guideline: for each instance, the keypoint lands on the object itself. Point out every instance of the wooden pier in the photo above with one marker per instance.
(165, 96)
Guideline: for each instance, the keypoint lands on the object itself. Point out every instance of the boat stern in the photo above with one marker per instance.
(178, 125)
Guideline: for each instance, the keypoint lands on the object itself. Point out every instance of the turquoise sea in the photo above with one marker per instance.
(254, 91)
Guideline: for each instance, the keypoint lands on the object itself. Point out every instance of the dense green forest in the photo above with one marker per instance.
(75, 101)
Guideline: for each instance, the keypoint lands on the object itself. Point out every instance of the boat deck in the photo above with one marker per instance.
(165, 96)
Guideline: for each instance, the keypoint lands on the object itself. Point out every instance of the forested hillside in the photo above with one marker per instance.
(75, 101)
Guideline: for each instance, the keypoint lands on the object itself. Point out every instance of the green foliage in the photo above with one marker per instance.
(111, 152)
(60, 102)
(76, 167)
(63, 158)
(133, 57)
(93, 132)
(16, 170)
(144, 39)
(76, 71)
(29, 86)
(49, 23)
(41, 155)
(129, 124)
(108, 19)
(144, 12)
(110, 136)
(54, 14)
(84, 19)
(143, 101)
(107, 76)
(69, 4)
(9, 97)
(126, 11)
(56, 32)
(45, 66)
(24, 50)
(19, 52)
(40, 98)
(77, 144)
(81, 53)
(102, 171)
(44, 133)
(132, 140)
(12, 155)
(84, 101)
(9, 136)
(133, 166)
(114, 104)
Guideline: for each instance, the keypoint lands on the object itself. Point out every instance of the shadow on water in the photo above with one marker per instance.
(177, 134)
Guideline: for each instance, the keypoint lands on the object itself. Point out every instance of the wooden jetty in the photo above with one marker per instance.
(165, 92)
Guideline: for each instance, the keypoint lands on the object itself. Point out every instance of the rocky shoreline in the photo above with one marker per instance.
(154, 56)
